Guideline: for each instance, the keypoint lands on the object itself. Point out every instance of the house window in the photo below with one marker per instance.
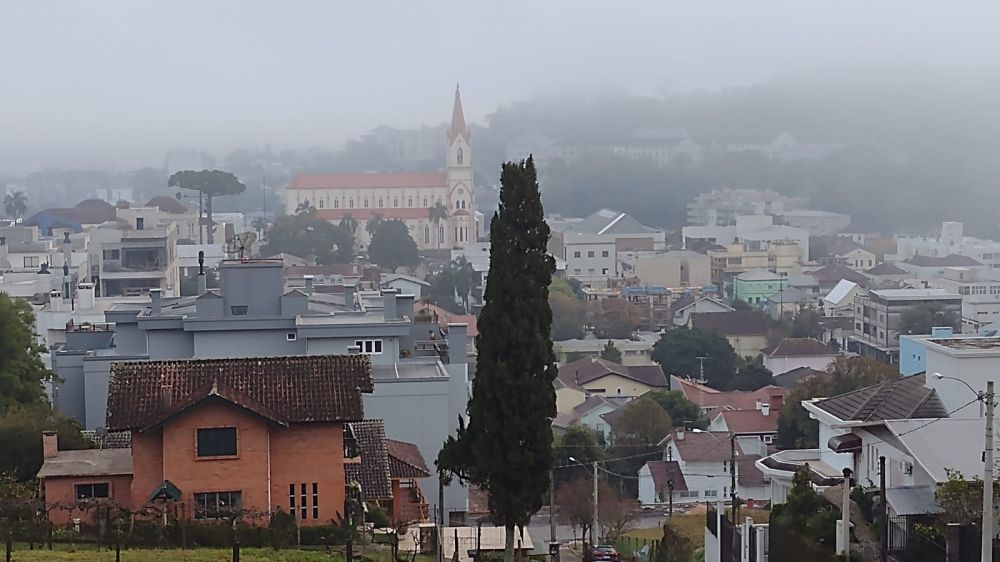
(605, 254)
(92, 491)
(725, 466)
(302, 504)
(238, 309)
(31, 261)
(427, 234)
(216, 505)
(768, 439)
(576, 271)
(711, 493)
(604, 271)
(217, 442)
(111, 254)
(322, 204)
(291, 499)
(425, 201)
(291, 336)
(441, 233)
(590, 254)
(351, 203)
(576, 254)
(315, 500)
(369, 347)
(689, 494)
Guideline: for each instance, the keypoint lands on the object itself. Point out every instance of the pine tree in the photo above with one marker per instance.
(507, 446)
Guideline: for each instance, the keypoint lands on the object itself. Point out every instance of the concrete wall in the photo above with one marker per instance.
(258, 286)
(69, 395)
(779, 365)
(246, 343)
(170, 344)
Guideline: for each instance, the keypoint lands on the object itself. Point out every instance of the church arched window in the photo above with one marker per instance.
(427, 234)
(425, 201)
(336, 203)
(366, 202)
(395, 201)
(458, 204)
(351, 203)
(379, 202)
(409, 203)
(460, 155)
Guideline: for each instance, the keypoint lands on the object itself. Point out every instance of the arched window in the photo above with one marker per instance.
(460, 155)
(351, 203)
(366, 202)
(409, 203)
(379, 202)
(427, 234)
(336, 203)
(425, 201)
(395, 201)
(322, 203)
(458, 205)
(441, 233)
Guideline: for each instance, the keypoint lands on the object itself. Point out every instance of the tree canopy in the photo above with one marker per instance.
(611, 353)
(615, 318)
(752, 375)
(211, 184)
(681, 410)
(920, 318)
(306, 235)
(581, 443)
(21, 368)
(507, 446)
(678, 351)
(21, 438)
(392, 246)
(15, 204)
(569, 316)
(796, 430)
(642, 422)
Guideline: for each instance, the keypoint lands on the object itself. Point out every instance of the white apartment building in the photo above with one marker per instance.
(757, 232)
(980, 295)
(951, 241)
(818, 223)
(590, 246)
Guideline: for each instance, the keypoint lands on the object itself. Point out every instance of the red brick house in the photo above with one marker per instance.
(73, 479)
(406, 466)
(253, 434)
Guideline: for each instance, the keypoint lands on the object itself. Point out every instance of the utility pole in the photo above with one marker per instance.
(552, 514)
(845, 511)
(732, 492)
(988, 477)
(883, 551)
(670, 486)
(595, 533)
(701, 367)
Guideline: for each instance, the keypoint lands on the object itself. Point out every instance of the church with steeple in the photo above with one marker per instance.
(438, 208)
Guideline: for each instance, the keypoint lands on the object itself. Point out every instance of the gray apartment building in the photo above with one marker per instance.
(421, 374)
(877, 315)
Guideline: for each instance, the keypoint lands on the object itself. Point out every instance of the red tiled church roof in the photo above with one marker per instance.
(369, 181)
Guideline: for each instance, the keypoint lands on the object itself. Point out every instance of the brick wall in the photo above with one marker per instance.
(62, 491)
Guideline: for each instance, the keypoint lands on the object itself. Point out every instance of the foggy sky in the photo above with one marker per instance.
(114, 83)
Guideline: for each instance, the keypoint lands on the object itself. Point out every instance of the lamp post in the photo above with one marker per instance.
(987, 398)
(594, 532)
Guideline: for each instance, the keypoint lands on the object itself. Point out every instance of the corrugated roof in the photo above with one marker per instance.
(373, 470)
(840, 291)
(88, 462)
(942, 445)
(306, 389)
(750, 421)
(895, 400)
(885, 268)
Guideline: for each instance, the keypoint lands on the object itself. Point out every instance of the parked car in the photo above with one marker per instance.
(605, 552)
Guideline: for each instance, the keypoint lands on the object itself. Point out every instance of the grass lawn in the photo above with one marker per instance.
(87, 553)
(692, 525)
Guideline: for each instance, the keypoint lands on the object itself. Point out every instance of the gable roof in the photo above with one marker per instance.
(759, 275)
(167, 205)
(369, 181)
(894, 400)
(951, 260)
(835, 272)
(749, 421)
(840, 245)
(589, 369)
(948, 444)
(703, 446)
(305, 389)
(665, 471)
(794, 376)
(88, 462)
(840, 291)
(687, 301)
(373, 470)
(747, 473)
(885, 268)
(736, 323)
(405, 460)
(223, 392)
(792, 295)
(88, 211)
(445, 317)
(710, 398)
(389, 277)
(609, 221)
(799, 347)
(591, 404)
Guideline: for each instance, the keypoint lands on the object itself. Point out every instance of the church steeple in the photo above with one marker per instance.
(458, 126)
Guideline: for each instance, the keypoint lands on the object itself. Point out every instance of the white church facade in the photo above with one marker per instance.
(409, 197)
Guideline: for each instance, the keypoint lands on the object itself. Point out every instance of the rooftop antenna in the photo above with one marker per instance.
(701, 368)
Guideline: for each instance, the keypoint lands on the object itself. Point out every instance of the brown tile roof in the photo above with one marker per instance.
(307, 389)
(589, 369)
(708, 397)
(664, 471)
(835, 272)
(373, 470)
(444, 318)
(798, 347)
(738, 323)
(405, 460)
(704, 446)
(89, 462)
(368, 181)
(885, 268)
(109, 439)
(750, 421)
(901, 399)
(793, 377)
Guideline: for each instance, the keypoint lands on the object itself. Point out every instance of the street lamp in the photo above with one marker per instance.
(594, 533)
(987, 398)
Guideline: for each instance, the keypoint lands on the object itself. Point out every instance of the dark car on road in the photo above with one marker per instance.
(605, 552)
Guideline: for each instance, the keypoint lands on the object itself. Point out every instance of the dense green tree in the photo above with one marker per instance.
(920, 318)
(683, 411)
(643, 422)
(581, 443)
(796, 430)
(306, 235)
(679, 349)
(673, 546)
(751, 376)
(392, 246)
(961, 498)
(211, 184)
(21, 438)
(611, 353)
(569, 316)
(507, 447)
(615, 318)
(807, 513)
(437, 213)
(21, 368)
(373, 223)
(465, 280)
(806, 324)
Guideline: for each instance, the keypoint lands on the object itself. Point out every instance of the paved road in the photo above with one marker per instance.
(539, 527)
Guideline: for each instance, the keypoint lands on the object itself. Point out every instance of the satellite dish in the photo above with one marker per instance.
(241, 245)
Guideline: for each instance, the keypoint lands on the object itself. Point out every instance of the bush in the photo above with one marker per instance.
(281, 529)
(377, 516)
(323, 535)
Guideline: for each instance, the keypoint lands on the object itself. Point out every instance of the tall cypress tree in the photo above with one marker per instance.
(507, 446)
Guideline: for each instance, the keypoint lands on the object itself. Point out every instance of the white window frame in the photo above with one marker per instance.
(370, 346)
(291, 336)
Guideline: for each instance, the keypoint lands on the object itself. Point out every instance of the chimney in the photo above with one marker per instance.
(154, 299)
(67, 284)
(166, 397)
(310, 284)
(765, 409)
(202, 280)
(349, 297)
(679, 433)
(458, 343)
(50, 444)
(86, 293)
(389, 304)
(777, 401)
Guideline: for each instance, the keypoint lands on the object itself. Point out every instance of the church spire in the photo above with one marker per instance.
(458, 126)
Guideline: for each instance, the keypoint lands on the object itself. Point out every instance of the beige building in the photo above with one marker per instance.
(667, 269)
(784, 258)
(404, 196)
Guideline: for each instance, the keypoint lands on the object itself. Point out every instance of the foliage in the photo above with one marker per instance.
(376, 516)
(618, 514)
(437, 213)
(611, 353)
(805, 512)
(796, 430)
(615, 318)
(961, 499)
(21, 368)
(678, 351)
(373, 223)
(465, 277)
(806, 324)
(507, 447)
(392, 246)
(752, 375)
(583, 445)
(569, 314)
(21, 438)
(457, 278)
(918, 319)
(643, 422)
(673, 545)
(281, 528)
(306, 235)
(211, 184)
(575, 504)
(15, 204)
(681, 410)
